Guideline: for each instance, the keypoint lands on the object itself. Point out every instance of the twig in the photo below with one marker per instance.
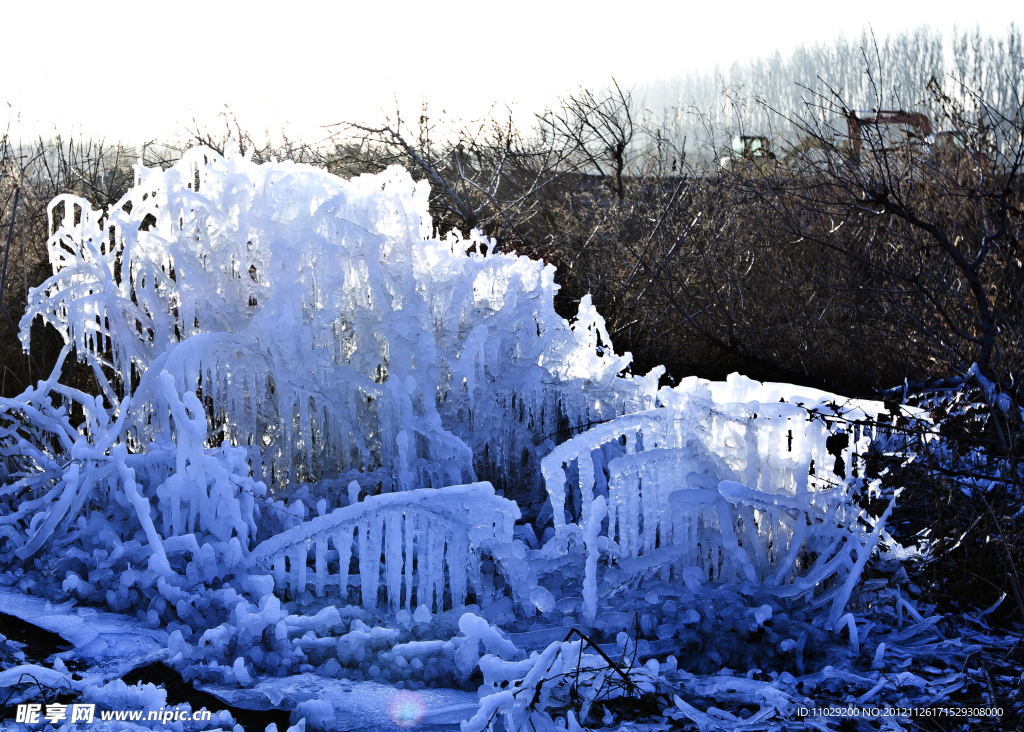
(10, 232)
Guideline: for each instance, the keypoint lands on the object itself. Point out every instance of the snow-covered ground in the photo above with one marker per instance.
(341, 467)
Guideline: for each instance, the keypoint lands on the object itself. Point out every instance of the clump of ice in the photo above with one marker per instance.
(707, 489)
(118, 695)
(317, 713)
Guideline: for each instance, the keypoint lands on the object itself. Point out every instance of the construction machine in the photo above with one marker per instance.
(916, 128)
(749, 152)
(870, 134)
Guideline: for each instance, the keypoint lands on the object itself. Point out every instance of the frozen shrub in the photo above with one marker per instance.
(253, 326)
(321, 325)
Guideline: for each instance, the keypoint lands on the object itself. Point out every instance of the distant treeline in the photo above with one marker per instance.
(768, 95)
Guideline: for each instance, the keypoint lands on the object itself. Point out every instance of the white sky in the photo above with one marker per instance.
(142, 70)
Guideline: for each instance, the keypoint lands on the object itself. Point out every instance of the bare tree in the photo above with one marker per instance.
(600, 130)
(822, 269)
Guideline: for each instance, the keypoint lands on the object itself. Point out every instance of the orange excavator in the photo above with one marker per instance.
(858, 121)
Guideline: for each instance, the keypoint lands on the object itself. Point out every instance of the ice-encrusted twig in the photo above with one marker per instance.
(438, 527)
(863, 554)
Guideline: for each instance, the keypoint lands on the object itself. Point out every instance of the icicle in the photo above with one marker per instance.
(343, 543)
(434, 580)
(297, 559)
(586, 472)
(369, 561)
(597, 514)
(280, 578)
(458, 552)
(632, 511)
(411, 520)
(393, 558)
(321, 565)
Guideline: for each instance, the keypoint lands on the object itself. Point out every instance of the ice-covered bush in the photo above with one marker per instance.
(131, 527)
(444, 532)
(323, 326)
(717, 485)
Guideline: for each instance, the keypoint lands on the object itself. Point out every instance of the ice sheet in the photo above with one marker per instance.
(358, 706)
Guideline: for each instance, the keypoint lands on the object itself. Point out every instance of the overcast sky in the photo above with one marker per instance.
(140, 71)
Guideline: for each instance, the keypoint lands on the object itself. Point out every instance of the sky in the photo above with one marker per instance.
(136, 71)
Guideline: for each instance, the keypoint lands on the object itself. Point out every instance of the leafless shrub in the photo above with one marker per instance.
(486, 175)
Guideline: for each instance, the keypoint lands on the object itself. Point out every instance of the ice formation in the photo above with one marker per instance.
(435, 529)
(254, 326)
(721, 491)
(522, 691)
(318, 426)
